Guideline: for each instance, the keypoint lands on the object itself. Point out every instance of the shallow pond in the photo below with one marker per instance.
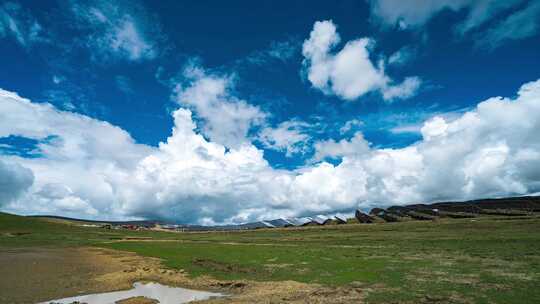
(164, 294)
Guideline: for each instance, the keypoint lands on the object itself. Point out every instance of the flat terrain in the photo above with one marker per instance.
(33, 274)
(490, 259)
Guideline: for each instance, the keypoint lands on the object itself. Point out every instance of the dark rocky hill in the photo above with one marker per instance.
(515, 204)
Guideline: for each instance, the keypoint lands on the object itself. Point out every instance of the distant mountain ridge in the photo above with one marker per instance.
(523, 203)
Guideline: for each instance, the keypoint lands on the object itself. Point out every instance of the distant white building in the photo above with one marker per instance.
(341, 219)
(321, 219)
(302, 221)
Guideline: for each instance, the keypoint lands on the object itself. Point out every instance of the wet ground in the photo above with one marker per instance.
(144, 292)
(34, 275)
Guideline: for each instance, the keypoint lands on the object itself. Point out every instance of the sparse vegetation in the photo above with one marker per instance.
(487, 259)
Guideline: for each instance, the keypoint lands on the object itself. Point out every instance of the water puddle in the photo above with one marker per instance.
(164, 294)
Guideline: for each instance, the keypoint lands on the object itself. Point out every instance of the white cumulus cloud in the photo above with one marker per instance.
(14, 181)
(91, 168)
(343, 148)
(349, 125)
(227, 119)
(288, 136)
(349, 73)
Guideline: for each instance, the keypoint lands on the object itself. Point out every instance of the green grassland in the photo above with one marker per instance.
(490, 259)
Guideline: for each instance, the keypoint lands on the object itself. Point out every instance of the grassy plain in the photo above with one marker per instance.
(484, 260)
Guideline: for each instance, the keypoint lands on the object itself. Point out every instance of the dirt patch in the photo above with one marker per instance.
(452, 299)
(38, 274)
(512, 275)
(137, 238)
(292, 292)
(272, 267)
(442, 276)
(138, 300)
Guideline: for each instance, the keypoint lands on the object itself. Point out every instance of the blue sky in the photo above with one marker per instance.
(298, 89)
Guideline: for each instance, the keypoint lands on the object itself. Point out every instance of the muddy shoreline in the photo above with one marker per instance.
(31, 275)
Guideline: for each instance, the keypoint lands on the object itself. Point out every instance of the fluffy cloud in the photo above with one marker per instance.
(406, 89)
(288, 136)
(93, 169)
(81, 154)
(344, 148)
(407, 128)
(227, 119)
(14, 181)
(480, 153)
(350, 125)
(192, 178)
(349, 73)
(17, 22)
(402, 56)
(115, 31)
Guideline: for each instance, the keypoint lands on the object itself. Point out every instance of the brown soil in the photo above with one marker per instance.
(34, 275)
(138, 300)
